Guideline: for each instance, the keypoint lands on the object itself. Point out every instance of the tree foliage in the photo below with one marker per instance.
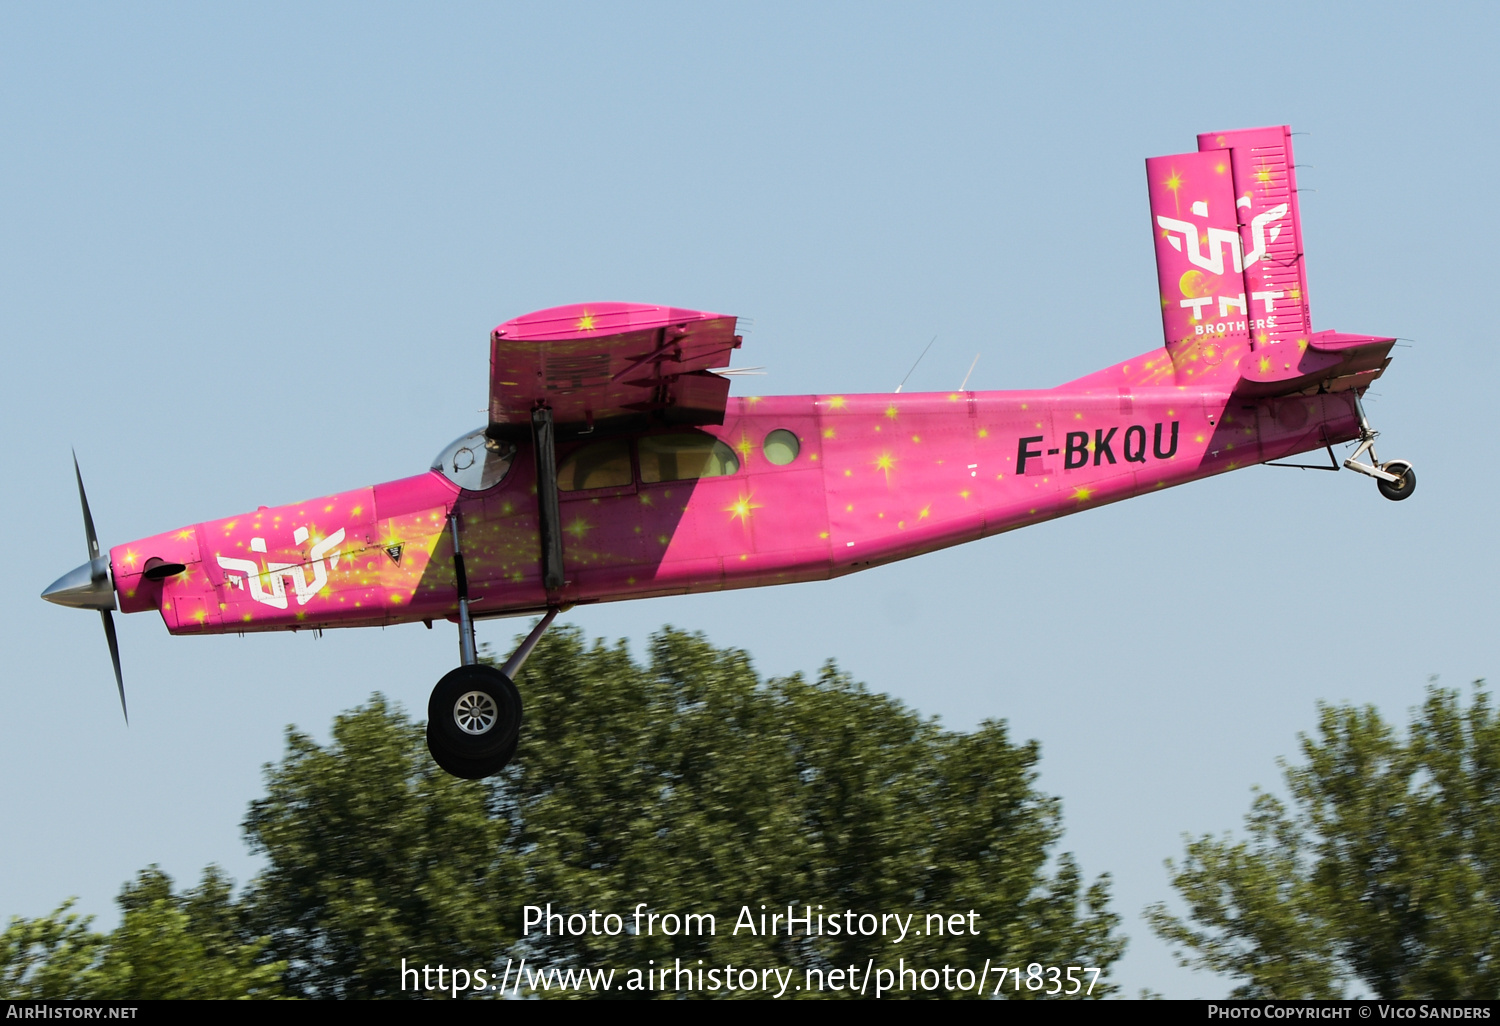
(50, 956)
(687, 784)
(1387, 874)
(188, 945)
(375, 855)
(691, 786)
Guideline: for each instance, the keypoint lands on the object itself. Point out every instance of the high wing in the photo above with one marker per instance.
(609, 367)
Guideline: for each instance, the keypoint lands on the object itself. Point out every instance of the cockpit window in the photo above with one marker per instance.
(600, 465)
(474, 462)
(685, 457)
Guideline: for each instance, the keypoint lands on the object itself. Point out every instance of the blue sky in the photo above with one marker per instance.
(252, 255)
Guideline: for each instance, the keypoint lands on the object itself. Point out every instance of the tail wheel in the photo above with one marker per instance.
(1402, 488)
(476, 711)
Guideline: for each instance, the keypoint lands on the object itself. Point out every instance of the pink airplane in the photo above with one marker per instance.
(614, 464)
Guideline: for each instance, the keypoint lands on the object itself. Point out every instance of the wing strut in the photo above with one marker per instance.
(518, 658)
(549, 516)
(466, 653)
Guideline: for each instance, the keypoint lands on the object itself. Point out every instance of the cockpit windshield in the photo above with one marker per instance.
(474, 462)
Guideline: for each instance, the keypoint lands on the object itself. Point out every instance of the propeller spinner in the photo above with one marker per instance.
(89, 587)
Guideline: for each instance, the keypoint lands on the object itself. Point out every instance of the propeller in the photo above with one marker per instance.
(89, 587)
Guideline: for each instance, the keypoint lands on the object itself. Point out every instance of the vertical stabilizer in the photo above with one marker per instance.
(1265, 191)
(1199, 263)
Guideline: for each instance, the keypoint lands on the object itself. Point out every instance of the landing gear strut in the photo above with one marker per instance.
(474, 714)
(1396, 479)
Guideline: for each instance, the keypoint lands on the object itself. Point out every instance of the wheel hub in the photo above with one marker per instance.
(475, 712)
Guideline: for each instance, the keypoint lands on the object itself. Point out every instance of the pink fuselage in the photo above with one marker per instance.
(878, 478)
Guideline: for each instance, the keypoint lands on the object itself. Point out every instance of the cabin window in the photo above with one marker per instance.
(781, 447)
(600, 465)
(685, 457)
(474, 462)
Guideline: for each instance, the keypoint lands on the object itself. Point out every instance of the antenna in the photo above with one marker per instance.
(971, 371)
(914, 366)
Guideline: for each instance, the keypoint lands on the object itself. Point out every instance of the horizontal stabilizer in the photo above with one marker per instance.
(1330, 362)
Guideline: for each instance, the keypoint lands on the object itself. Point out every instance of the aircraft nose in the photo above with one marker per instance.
(84, 587)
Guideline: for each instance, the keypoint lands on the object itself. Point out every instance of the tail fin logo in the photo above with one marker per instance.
(1217, 240)
(1258, 223)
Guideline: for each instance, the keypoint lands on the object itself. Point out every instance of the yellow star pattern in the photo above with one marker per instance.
(742, 508)
(1174, 186)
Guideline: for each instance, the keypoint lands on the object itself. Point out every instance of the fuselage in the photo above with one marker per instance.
(817, 487)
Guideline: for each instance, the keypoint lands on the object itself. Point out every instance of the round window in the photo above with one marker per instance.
(781, 447)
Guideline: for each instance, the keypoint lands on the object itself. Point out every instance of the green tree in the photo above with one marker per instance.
(688, 785)
(50, 956)
(692, 786)
(1387, 874)
(189, 945)
(376, 855)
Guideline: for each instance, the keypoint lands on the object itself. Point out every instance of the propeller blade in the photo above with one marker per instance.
(71, 589)
(114, 655)
(88, 520)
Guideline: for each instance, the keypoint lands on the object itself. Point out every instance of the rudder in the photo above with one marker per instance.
(1265, 181)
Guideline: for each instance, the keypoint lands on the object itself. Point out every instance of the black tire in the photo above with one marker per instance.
(1401, 489)
(468, 769)
(477, 712)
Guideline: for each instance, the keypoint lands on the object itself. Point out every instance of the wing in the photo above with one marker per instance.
(609, 366)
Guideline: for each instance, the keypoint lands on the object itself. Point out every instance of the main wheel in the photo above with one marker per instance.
(1398, 490)
(468, 769)
(476, 710)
